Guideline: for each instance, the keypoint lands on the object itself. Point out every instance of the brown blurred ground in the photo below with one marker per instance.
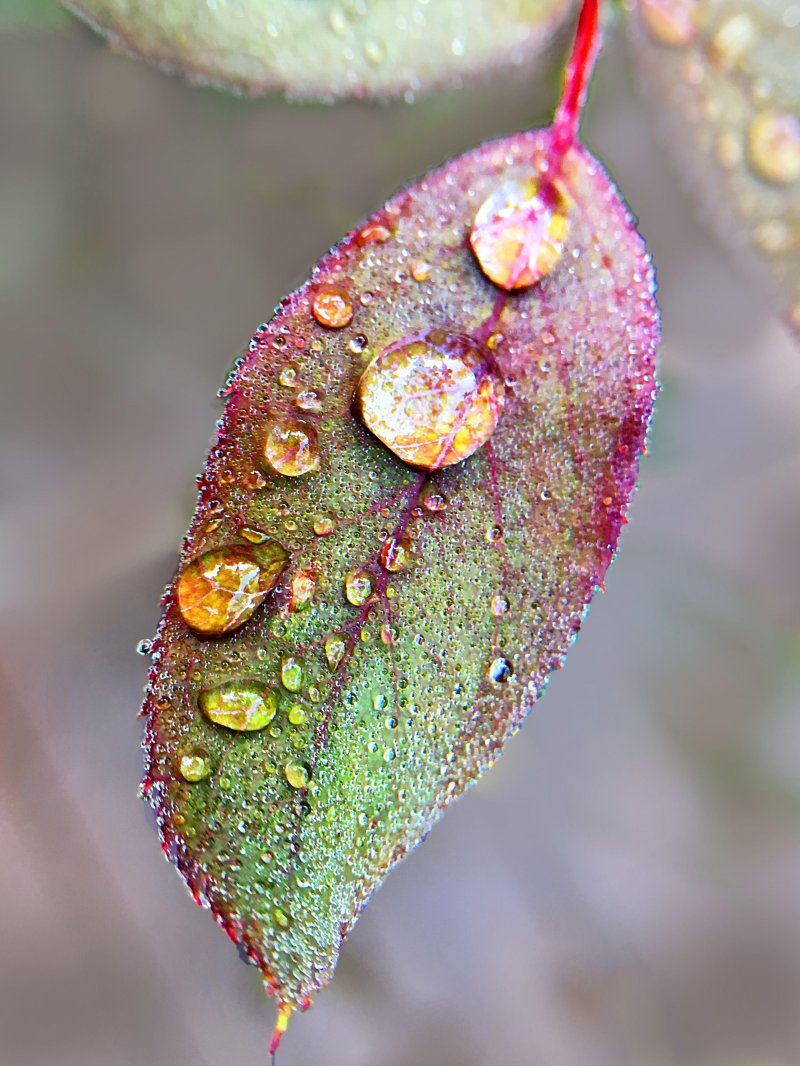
(624, 889)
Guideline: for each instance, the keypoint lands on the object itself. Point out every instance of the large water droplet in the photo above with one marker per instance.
(243, 705)
(324, 525)
(358, 587)
(434, 398)
(291, 447)
(220, 590)
(335, 647)
(304, 584)
(519, 232)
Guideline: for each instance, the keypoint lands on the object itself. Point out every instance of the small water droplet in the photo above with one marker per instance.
(218, 591)
(309, 399)
(499, 606)
(296, 774)
(292, 673)
(500, 670)
(374, 51)
(520, 231)
(670, 22)
(291, 447)
(332, 307)
(432, 500)
(304, 584)
(242, 704)
(324, 525)
(288, 376)
(379, 701)
(773, 146)
(391, 722)
(296, 714)
(335, 647)
(194, 767)
(433, 399)
(396, 554)
(374, 232)
(281, 918)
(358, 587)
(494, 534)
(358, 344)
(144, 647)
(420, 270)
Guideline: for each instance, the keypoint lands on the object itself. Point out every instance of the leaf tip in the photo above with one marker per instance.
(285, 1011)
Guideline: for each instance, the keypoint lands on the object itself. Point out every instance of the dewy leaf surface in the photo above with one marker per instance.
(322, 48)
(419, 614)
(724, 76)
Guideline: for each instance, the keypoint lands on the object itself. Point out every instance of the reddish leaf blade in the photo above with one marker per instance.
(421, 613)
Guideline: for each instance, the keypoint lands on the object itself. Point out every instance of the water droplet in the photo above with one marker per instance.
(358, 587)
(324, 525)
(374, 232)
(335, 647)
(374, 51)
(144, 647)
(773, 146)
(433, 501)
(255, 536)
(243, 705)
(358, 344)
(291, 447)
(304, 584)
(499, 606)
(288, 376)
(670, 22)
(296, 714)
(379, 701)
(309, 399)
(420, 270)
(519, 232)
(194, 767)
(296, 774)
(220, 590)
(732, 40)
(292, 673)
(396, 554)
(389, 754)
(500, 670)
(433, 399)
(332, 307)
(281, 918)
(494, 534)
(391, 722)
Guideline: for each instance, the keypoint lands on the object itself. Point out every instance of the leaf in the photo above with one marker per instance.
(18, 15)
(418, 484)
(325, 49)
(725, 78)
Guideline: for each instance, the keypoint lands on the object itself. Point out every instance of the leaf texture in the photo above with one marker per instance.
(325, 49)
(724, 76)
(419, 614)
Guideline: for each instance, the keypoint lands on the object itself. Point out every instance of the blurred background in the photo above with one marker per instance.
(624, 888)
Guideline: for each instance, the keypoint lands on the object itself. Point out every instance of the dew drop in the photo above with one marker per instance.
(500, 670)
(519, 232)
(499, 606)
(433, 501)
(358, 587)
(296, 714)
(144, 647)
(324, 525)
(358, 344)
(332, 307)
(670, 22)
(433, 398)
(243, 704)
(309, 400)
(420, 270)
(379, 701)
(288, 376)
(396, 554)
(290, 446)
(494, 534)
(773, 146)
(281, 919)
(194, 767)
(292, 673)
(304, 584)
(218, 591)
(296, 774)
(335, 647)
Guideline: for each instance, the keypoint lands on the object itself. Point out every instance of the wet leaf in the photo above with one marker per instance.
(328, 48)
(424, 603)
(724, 76)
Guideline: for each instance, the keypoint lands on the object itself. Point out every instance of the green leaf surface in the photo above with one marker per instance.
(30, 15)
(325, 49)
(724, 78)
(388, 681)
